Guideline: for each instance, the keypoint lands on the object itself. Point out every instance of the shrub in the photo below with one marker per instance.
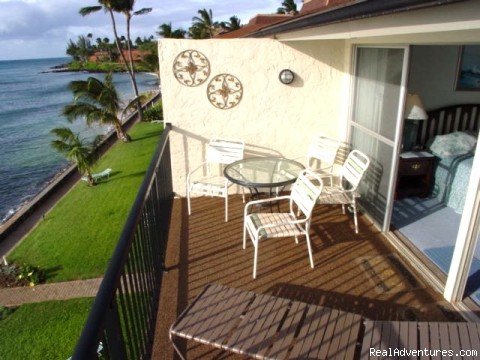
(33, 275)
(24, 275)
(154, 113)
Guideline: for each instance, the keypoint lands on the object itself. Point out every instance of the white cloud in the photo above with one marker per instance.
(41, 28)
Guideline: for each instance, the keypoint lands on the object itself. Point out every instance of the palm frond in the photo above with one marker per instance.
(133, 103)
(79, 109)
(142, 11)
(87, 10)
(64, 134)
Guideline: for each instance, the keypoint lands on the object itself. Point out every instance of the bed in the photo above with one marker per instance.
(452, 171)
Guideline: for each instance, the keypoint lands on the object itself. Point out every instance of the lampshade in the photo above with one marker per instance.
(414, 109)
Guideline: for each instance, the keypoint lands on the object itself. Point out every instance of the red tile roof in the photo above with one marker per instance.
(264, 20)
(256, 23)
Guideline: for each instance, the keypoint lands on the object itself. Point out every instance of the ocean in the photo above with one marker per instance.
(30, 106)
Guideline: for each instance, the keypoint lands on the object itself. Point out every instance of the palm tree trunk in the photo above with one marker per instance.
(90, 181)
(119, 48)
(132, 69)
(121, 134)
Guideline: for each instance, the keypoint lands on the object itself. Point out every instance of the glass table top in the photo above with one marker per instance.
(263, 171)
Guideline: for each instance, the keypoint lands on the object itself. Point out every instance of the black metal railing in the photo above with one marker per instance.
(121, 322)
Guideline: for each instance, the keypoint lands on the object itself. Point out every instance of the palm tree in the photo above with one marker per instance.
(126, 8)
(166, 31)
(111, 6)
(76, 150)
(204, 23)
(288, 7)
(97, 102)
(232, 25)
(72, 50)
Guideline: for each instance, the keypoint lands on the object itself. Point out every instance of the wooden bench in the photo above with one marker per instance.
(268, 327)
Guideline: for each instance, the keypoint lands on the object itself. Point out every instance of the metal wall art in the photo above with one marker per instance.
(225, 91)
(191, 68)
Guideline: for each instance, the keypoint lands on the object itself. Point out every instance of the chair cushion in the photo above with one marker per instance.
(254, 221)
(209, 185)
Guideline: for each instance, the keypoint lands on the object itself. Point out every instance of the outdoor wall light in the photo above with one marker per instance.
(286, 76)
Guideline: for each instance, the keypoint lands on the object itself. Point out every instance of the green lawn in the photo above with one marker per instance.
(77, 237)
(47, 330)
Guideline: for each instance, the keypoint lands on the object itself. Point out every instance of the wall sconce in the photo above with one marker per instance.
(286, 76)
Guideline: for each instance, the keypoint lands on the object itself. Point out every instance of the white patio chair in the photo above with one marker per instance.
(261, 226)
(105, 174)
(219, 153)
(321, 154)
(342, 189)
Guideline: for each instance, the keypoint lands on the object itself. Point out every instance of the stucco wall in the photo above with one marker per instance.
(433, 70)
(271, 118)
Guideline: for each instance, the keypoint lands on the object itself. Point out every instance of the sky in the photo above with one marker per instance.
(31, 29)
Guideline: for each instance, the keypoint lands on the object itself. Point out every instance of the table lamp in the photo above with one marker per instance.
(414, 112)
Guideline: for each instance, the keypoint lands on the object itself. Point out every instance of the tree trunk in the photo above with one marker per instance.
(132, 69)
(121, 134)
(119, 48)
(91, 182)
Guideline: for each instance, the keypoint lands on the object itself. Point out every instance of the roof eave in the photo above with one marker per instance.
(349, 12)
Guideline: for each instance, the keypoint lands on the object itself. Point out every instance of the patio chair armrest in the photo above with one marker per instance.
(323, 169)
(189, 175)
(262, 201)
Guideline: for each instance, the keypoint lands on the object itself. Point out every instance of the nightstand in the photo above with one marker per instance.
(415, 172)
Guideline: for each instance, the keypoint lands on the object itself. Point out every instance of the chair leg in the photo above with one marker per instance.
(244, 234)
(255, 255)
(226, 207)
(296, 239)
(355, 220)
(310, 251)
(243, 193)
(188, 202)
(343, 209)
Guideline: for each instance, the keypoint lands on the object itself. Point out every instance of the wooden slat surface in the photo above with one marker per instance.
(268, 327)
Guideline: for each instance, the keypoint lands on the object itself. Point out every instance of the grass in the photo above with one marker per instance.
(47, 330)
(77, 237)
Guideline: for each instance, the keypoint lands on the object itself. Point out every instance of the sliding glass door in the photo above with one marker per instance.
(380, 75)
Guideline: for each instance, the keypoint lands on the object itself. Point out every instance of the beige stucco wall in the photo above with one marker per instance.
(271, 118)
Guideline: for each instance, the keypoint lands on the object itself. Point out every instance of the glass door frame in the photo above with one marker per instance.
(396, 143)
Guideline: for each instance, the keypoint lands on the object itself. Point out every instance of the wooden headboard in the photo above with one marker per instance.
(447, 120)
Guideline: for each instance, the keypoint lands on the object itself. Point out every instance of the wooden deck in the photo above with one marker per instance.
(355, 273)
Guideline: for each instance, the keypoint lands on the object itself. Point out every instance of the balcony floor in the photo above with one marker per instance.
(352, 272)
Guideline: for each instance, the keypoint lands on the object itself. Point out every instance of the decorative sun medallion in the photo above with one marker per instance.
(225, 91)
(191, 68)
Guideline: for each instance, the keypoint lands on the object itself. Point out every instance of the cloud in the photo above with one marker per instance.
(45, 26)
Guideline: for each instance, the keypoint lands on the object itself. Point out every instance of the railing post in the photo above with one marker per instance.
(113, 334)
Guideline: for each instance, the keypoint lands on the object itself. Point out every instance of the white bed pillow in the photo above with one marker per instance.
(453, 144)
